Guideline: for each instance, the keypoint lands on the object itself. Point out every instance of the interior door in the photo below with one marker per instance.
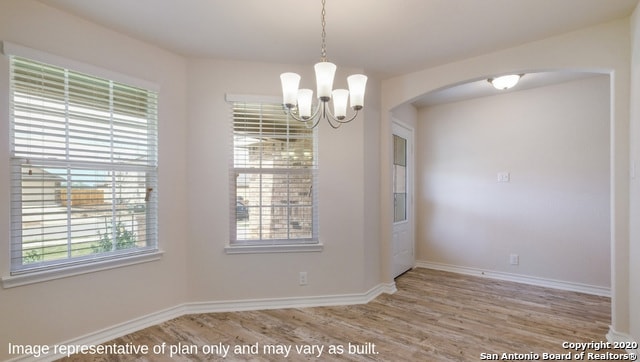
(403, 218)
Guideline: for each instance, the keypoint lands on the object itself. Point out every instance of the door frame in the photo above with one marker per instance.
(405, 131)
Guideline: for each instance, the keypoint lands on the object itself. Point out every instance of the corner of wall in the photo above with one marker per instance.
(634, 189)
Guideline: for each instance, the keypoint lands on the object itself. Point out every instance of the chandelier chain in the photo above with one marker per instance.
(323, 54)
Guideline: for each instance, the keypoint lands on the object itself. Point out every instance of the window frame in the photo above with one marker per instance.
(19, 272)
(286, 245)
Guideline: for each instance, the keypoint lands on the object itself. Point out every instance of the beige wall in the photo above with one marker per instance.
(634, 262)
(371, 185)
(56, 311)
(340, 268)
(603, 48)
(554, 213)
(194, 150)
(194, 192)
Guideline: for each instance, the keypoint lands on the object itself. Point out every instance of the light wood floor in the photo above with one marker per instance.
(434, 316)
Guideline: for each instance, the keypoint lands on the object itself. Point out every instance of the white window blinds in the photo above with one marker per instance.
(273, 177)
(84, 167)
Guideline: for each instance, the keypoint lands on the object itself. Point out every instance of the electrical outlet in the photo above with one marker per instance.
(514, 259)
(303, 278)
(504, 176)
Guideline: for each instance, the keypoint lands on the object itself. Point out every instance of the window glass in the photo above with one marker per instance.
(399, 178)
(84, 167)
(273, 176)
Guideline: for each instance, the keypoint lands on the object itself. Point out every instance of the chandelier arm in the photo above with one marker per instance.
(315, 124)
(316, 117)
(334, 126)
(331, 117)
(290, 112)
(315, 113)
(350, 119)
(326, 114)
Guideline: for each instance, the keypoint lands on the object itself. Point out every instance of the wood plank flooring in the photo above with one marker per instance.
(434, 316)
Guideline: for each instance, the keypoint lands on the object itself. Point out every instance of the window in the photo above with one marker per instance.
(272, 177)
(83, 168)
(399, 179)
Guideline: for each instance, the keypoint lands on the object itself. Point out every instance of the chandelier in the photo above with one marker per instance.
(300, 101)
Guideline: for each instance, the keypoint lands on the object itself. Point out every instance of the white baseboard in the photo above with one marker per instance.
(110, 333)
(296, 302)
(149, 320)
(613, 336)
(543, 282)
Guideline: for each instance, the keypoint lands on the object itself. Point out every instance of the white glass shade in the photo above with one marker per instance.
(305, 98)
(340, 97)
(505, 82)
(357, 84)
(290, 83)
(325, 71)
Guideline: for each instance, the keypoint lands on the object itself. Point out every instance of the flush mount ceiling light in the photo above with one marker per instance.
(505, 81)
(298, 102)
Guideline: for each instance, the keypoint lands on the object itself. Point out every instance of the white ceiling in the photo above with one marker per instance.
(384, 37)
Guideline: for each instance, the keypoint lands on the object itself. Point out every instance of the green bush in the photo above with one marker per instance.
(124, 239)
(32, 256)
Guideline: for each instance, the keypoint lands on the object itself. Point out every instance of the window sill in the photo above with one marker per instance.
(262, 249)
(68, 271)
